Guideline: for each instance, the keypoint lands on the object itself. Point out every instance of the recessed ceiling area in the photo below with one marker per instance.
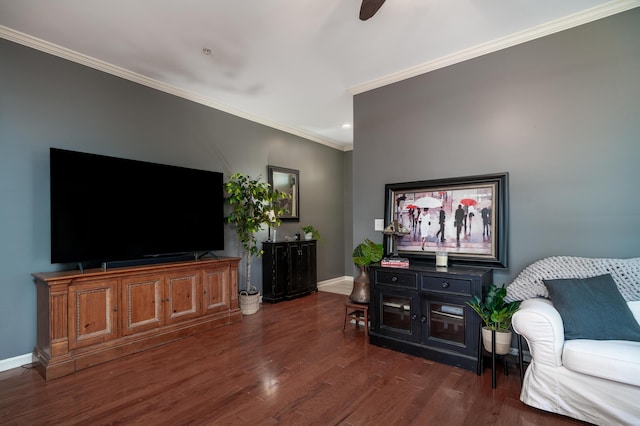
(290, 64)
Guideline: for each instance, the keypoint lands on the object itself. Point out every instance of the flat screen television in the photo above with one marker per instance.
(106, 209)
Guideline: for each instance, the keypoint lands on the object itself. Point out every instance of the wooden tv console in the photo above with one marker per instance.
(99, 315)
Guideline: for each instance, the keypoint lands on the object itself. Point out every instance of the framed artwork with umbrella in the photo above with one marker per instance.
(467, 217)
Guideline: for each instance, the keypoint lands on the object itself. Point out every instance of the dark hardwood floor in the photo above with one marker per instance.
(290, 363)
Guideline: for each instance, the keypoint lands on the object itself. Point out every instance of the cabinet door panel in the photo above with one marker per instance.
(142, 303)
(308, 272)
(181, 296)
(295, 270)
(216, 290)
(451, 323)
(275, 271)
(92, 313)
(396, 313)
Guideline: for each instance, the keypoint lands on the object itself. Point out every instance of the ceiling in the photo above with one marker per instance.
(290, 64)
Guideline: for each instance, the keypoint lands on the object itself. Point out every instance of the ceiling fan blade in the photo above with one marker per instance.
(369, 8)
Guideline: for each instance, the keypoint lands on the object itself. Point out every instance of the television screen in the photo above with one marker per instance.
(111, 209)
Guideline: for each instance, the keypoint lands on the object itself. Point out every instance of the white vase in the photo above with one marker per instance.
(503, 341)
(308, 236)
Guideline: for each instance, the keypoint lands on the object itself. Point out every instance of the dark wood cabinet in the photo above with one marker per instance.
(86, 318)
(423, 311)
(154, 300)
(93, 313)
(288, 269)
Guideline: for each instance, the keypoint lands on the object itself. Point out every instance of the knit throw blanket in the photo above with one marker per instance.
(528, 284)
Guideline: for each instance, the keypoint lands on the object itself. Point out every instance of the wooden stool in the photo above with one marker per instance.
(359, 312)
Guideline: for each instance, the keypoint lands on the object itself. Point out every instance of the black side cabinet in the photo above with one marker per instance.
(288, 269)
(423, 311)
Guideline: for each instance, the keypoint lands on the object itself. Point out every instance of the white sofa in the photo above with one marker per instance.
(597, 381)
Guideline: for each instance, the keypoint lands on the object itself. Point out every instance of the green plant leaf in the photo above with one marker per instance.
(251, 201)
(367, 253)
(493, 310)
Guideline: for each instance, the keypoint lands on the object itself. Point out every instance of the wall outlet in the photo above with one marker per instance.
(378, 224)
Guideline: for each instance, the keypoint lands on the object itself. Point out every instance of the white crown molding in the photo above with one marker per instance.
(68, 54)
(571, 21)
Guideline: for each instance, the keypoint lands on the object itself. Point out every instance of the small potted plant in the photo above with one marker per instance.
(496, 315)
(310, 233)
(254, 204)
(364, 255)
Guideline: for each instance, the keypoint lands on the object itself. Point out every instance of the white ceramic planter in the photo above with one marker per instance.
(503, 341)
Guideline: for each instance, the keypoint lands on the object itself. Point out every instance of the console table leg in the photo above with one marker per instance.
(480, 363)
(493, 359)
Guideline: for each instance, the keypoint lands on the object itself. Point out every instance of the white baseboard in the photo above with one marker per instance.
(334, 281)
(16, 361)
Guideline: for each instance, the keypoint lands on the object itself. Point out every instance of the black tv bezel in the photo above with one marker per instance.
(127, 254)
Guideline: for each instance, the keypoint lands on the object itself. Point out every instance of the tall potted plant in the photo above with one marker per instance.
(496, 315)
(254, 204)
(364, 255)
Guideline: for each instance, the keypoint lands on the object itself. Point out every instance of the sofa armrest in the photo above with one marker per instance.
(538, 321)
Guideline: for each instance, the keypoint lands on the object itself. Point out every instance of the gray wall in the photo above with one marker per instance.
(561, 114)
(47, 101)
(348, 214)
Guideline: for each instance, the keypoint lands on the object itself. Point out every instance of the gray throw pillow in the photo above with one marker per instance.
(593, 308)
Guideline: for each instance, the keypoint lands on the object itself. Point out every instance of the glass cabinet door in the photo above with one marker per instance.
(446, 321)
(398, 313)
(450, 323)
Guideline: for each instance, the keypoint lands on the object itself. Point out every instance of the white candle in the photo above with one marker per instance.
(441, 258)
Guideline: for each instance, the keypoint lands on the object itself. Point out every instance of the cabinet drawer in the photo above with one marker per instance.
(446, 285)
(399, 279)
